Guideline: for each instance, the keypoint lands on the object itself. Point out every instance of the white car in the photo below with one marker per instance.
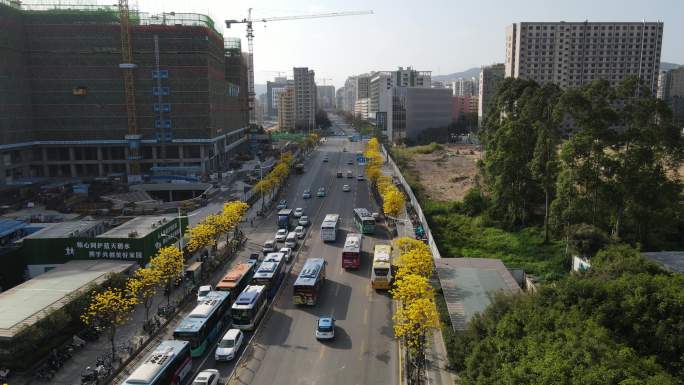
(229, 345)
(280, 235)
(298, 212)
(207, 377)
(303, 221)
(300, 231)
(269, 247)
(287, 251)
(346, 188)
(202, 292)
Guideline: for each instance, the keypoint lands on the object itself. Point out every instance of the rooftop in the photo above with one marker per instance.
(670, 260)
(65, 229)
(140, 225)
(469, 285)
(31, 301)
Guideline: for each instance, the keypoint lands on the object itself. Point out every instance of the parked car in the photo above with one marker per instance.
(269, 247)
(207, 377)
(280, 235)
(202, 292)
(300, 231)
(325, 328)
(282, 204)
(346, 188)
(298, 212)
(303, 221)
(287, 251)
(229, 345)
(306, 194)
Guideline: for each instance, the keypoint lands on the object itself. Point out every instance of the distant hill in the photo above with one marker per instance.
(467, 74)
(665, 66)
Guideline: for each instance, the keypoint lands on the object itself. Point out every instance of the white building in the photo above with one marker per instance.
(465, 87)
(361, 108)
(571, 54)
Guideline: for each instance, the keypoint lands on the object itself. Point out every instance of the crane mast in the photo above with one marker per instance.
(127, 66)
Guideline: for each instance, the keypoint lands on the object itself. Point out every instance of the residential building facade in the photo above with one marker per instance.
(671, 90)
(286, 109)
(361, 108)
(465, 87)
(572, 54)
(490, 81)
(272, 90)
(305, 98)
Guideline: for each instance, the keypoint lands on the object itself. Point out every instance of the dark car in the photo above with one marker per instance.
(282, 205)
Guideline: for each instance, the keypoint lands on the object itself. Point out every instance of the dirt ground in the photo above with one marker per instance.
(447, 174)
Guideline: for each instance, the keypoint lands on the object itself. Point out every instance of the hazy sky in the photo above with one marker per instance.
(442, 36)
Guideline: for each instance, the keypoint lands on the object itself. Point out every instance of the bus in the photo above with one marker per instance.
(351, 252)
(329, 227)
(237, 278)
(381, 271)
(364, 221)
(204, 323)
(249, 307)
(169, 364)
(270, 273)
(309, 282)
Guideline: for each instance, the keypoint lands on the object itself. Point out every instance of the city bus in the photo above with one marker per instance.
(249, 307)
(351, 252)
(237, 278)
(204, 323)
(381, 271)
(270, 273)
(309, 282)
(329, 227)
(364, 221)
(169, 364)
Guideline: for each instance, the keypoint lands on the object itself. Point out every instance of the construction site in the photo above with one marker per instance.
(102, 91)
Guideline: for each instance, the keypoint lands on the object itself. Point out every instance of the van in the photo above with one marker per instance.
(291, 240)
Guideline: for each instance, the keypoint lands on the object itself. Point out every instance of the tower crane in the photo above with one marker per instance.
(127, 66)
(250, 41)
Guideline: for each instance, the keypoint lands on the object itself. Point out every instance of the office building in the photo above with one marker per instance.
(671, 90)
(572, 54)
(64, 110)
(273, 89)
(286, 109)
(382, 82)
(326, 97)
(413, 110)
(304, 98)
(490, 81)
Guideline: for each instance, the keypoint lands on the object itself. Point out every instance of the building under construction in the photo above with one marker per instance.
(62, 102)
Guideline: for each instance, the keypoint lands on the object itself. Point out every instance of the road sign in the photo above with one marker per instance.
(361, 160)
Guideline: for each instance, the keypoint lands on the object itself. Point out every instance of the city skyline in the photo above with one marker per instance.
(458, 37)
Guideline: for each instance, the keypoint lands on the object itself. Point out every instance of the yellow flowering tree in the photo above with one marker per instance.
(234, 212)
(392, 202)
(168, 263)
(143, 285)
(411, 287)
(199, 236)
(383, 183)
(108, 310)
(412, 322)
(406, 244)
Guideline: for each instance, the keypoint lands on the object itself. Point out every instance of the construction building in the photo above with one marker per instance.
(62, 100)
(572, 54)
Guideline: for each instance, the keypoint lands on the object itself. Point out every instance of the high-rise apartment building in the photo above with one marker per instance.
(571, 54)
(490, 80)
(305, 98)
(349, 94)
(339, 98)
(671, 90)
(326, 97)
(286, 109)
(273, 89)
(465, 87)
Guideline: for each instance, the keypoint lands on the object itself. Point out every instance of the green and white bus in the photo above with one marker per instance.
(364, 221)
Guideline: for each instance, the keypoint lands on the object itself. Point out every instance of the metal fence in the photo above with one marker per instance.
(414, 202)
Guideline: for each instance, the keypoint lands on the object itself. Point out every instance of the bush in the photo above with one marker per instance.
(427, 149)
(474, 202)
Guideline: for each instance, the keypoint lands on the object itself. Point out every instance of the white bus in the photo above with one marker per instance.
(329, 228)
(249, 307)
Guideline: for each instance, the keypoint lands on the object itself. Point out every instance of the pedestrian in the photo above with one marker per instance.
(251, 222)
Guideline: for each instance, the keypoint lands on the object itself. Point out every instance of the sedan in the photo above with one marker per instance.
(300, 231)
(287, 252)
(303, 221)
(350, 162)
(281, 235)
(269, 247)
(298, 212)
(346, 188)
(321, 192)
(229, 345)
(359, 177)
(282, 205)
(306, 194)
(207, 377)
(325, 328)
